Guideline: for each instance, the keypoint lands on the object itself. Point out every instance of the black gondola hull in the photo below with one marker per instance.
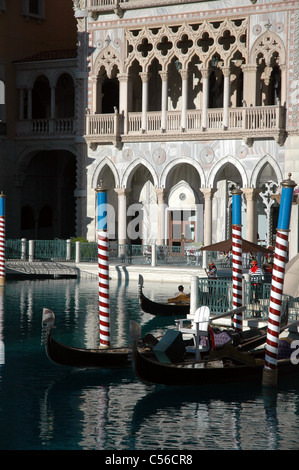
(106, 358)
(163, 309)
(149, 370)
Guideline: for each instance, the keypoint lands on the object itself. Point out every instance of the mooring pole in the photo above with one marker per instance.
(237, 257)
(275, 306)
(103, 266)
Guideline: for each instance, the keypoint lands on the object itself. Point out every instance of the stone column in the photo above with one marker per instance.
(123, 100)
(52, 106)
(144, 77)
(122, 215)
(251, 195)
(29, 113)
(161, 215)
(164, 78)
(208, 195)
(205, 98)
(184, 75)
(21, 104)
(249, 84)
(97, 95)
(226, 96)
(283, 86)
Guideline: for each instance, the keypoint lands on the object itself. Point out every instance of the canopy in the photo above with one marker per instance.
(247, 246)
(291, 278)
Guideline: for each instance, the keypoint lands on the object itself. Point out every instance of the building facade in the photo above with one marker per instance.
(170, 105)
(38, 76)
(185, 102)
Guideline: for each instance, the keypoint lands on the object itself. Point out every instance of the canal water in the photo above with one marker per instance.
(44, 406)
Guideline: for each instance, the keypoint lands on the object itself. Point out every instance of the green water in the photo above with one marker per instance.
(45, 406)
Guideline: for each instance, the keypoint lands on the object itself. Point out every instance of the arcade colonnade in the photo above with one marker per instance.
(191, 196)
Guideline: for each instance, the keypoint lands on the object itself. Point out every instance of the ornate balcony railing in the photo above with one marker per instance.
(45, 127)
(122, 5)
(246, 123)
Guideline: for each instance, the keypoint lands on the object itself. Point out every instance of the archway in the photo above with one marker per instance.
(47, 197)
(41, 98)
(141, 219)
(65, 97)
(267, 207)
(107, 177)
(185, 206)
(227, 178)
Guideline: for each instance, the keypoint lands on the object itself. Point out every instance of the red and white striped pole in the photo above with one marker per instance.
(103, 268)
(2, 239)
(275, 306)
(237, 257)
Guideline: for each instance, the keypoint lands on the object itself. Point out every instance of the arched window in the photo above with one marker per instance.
(27, 218)
(110, 93)
(275, 86)
(65, 97)
(41, 98)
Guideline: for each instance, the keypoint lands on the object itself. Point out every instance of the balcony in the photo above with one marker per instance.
(246, 123)
(119, 6)
(45, 128)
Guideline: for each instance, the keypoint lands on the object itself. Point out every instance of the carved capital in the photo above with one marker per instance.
(161, 193)
(184, 74)
(123, 77)
(226, 71)
(164, 76)
(208, 192)
(144, 76)
(205, 72)
(251, 194)
(122, 191)
(249, 68)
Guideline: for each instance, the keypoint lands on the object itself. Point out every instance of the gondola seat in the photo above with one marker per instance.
(198, 331)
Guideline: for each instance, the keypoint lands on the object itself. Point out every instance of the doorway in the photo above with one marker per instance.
(182, 228)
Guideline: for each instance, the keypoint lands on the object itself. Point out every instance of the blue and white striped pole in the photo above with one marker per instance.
(280, 260)
(2, 239)
(237, 257)
(103, 266)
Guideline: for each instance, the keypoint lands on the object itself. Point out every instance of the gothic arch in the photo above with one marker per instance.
(211, 182)
(126, 178)
(108, 58)
(64, 71)
(257, 169)
(267, 44)
(177, 161)
(37, 74)
(99, 168)
(24, 158)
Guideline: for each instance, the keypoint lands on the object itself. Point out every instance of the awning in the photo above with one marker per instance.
(247, 247)
(291, 278)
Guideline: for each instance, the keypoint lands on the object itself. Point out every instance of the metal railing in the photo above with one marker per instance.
(215, 293)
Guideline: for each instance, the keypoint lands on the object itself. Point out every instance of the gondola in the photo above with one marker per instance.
(61, 354)
(179, 310)
(226, 364)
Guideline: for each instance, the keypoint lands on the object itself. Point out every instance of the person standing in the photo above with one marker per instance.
(212, 271)
(256, 277)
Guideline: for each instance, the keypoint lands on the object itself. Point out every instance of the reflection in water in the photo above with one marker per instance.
(2, 346)
(65, 408)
